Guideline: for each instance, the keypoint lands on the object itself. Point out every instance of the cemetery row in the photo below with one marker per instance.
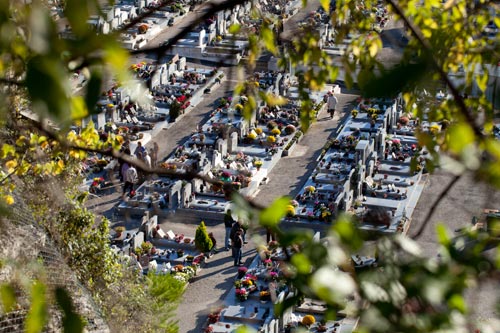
(365, 168)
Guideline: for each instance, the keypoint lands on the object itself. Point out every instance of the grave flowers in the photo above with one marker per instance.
(268, 263)
(258, 164)
(97, 184)
(214, 317)
(308, 320)
(241, 294)
(242, 271)
(265, 295)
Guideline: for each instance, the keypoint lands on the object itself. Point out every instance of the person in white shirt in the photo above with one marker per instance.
(147, 159)
(332, 105)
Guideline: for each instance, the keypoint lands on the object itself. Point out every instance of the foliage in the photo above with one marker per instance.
(174, 111)
(36, 65)
(87, 245)
(201, 240)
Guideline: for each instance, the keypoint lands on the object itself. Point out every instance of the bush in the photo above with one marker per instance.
(174, 111)
(202, 242)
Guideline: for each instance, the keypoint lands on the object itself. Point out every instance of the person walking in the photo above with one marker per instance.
(130, 179)
(332, 104)
(228, 224)
(237, 243)
(139, 150)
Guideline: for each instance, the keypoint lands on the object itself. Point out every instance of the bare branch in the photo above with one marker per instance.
(434, 206)
(426, 46)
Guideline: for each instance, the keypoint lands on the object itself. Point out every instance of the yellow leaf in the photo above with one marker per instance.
(60, 163)
(373, 49)
(11, 165)
(78, 108)
(9, 199)
(325, 4)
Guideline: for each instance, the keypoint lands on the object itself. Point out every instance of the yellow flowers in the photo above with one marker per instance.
(290, 210)
(276, 131)
(11, 165)
(308, 320)
(271, 139)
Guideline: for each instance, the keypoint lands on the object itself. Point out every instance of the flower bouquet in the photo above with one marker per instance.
(241, 294)
(214, 317)
(265, 295)
(268, 263)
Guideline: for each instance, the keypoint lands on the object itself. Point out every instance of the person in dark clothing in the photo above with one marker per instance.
(237, 243)
(228, 224)
(232, 234)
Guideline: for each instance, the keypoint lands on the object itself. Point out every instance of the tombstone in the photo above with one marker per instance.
(216, 158)
(172, 68)
(101, 120)
(149, 226)
(186, 195)
(155, 79)
(164, 75)
(221, 146)
(181, 65)
(232, 144)
(174, 195)
(201, 38)
(138, 239)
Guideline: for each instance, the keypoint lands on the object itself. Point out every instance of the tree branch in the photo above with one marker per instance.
(435, 205)
(426, 46)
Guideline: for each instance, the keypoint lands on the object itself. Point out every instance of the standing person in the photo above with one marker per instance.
(228, 224)
(130, 179)
(147, 159)
(139, 150)
(332, 105)
(237, 243)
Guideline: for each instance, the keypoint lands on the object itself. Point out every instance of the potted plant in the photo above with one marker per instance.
(258, 164)
(354, 113)
(308, 320)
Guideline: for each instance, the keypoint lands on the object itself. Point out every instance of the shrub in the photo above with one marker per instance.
(174, 111)
(271, 124)
(289, 129)
(202, 242)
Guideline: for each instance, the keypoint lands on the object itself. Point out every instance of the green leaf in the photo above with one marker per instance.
(234, 29)
(71, 320)
(457, 302)
(442, 235)
(302, 263)
(267, 36)
(8, 295)
(37, 315)
(93, 91)
(391, 82)
(272, 215)
(48, 88)
(78, 108)
(77, 13)
(460, 136)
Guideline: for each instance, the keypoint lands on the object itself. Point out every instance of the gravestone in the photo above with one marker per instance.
(138, 239)
(186, 195)
(232, 144)
(155, 79)
(149, 226)
(181, 65)
(101, 120)
(216, 158)
(164, 75)
(221, 146)
(201, 37)
(171, 68)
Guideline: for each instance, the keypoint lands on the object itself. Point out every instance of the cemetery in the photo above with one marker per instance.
(366, 167)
